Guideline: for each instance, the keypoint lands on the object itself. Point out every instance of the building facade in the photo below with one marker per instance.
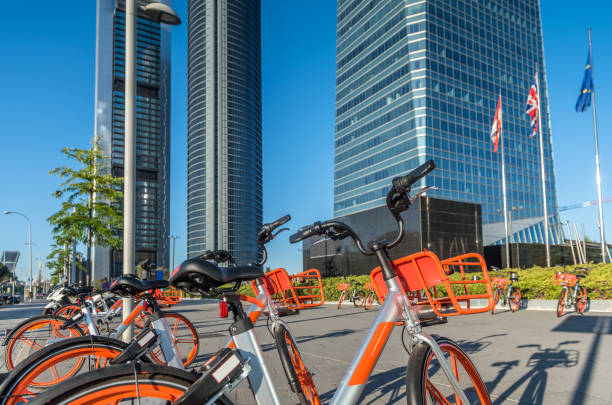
(224, 176)
(152, 127)
(418, 80)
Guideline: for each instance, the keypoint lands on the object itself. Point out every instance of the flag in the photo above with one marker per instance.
(532, 108)
(497, 125)
(584, 98)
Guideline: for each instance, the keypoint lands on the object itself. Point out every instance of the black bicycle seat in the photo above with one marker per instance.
(580, 275)
(197, 275)
(128, 285)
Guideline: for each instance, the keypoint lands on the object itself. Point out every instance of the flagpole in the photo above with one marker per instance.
(598, 177)
(503, 159)
(537, 79)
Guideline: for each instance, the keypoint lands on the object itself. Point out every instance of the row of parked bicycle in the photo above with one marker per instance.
(74, 355)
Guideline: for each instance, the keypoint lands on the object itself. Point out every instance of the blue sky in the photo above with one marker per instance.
(47, 102)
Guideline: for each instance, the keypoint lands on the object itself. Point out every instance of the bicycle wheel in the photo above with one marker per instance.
(581, 300)
(56, 363)
(185, 337)
(67, 311)
(358, 299)
(514, 299)
(495, 300)
(340, 299)
(300, 379)
(426, 383)
(368, 302)
(33, 334)
(561, 302)
(129, 383)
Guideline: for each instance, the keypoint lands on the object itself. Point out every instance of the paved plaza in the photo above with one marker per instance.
(528, 357)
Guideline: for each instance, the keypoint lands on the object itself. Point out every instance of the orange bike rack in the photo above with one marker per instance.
(297, 291)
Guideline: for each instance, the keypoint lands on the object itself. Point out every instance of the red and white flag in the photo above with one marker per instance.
(497, 125)
(532, 108)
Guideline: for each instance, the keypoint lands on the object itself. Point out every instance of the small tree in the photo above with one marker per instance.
(5, 273)
(91, 206)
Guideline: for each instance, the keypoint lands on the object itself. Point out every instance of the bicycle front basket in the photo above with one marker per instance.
(299, 291)
(564, 279)
(444, 284)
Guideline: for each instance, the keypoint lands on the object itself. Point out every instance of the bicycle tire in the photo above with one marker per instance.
(495, 300)
(340, 299)
(419, 385)
(358, 300)
(25, 379)
(12, 354)
(125, 381)
(188, 343)
(581, 300)
(561, 302)
(67, 311)
(514, 300)
(298, 376)
(368, 302)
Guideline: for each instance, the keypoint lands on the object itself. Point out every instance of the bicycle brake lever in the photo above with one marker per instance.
(420, 193)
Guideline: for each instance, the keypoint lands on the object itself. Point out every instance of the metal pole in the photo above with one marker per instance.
(543, 170)
(578, 245)
(598, 176)
(503, 160)
(569, 233)
(129, 173)
(586, 259)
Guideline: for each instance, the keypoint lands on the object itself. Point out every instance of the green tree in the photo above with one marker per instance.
(91, 204)
(5, 273)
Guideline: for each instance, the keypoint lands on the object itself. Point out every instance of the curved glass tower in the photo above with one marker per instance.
(224, 206)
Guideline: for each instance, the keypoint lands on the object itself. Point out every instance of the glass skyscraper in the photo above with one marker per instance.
(152, 127)
(419, 79)
(224, 196)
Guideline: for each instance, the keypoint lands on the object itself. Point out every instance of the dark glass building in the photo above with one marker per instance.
(224, 196)
(152, 127)
(418, 80)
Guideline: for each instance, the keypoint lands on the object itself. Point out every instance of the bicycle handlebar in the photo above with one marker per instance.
(266, 235)
(397, 200)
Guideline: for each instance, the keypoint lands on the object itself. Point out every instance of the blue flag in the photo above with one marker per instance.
(584, 99)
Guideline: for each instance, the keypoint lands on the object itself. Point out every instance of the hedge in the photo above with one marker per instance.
(534, 282)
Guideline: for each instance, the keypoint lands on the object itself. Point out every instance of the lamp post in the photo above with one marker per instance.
(39, 259)
(29, 250)
(174, 238)
(517, 209)
(160, 13)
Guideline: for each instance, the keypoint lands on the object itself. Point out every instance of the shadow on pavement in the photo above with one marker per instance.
(536, 378)
(475, 346)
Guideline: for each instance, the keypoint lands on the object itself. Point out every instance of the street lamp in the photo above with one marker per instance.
(156, 12)
(174, 238)
(29, 250)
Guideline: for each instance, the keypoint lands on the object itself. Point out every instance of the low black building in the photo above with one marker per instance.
(447, 228)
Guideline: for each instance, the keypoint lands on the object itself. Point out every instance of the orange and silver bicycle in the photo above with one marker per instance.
(507, 292)
(572, 293)
(352, 291)
(438, 371)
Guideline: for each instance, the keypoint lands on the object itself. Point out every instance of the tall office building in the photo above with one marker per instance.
(152, 127)
(419, 79)
(224, 197)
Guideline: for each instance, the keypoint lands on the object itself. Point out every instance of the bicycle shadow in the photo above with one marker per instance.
(475, 346)
(387, 387)
(537, 377)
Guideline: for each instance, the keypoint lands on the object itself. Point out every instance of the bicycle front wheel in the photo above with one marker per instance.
(55, 364)
(296, 371)
(495, 300)
(561, 302)
(185, 337)
(581, 300)
(427, 384)
(340, 299)
(35, 333)
(125, 383)
(369, 301)
(358, 300)
(515, 299)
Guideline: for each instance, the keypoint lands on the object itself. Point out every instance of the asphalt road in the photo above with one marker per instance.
(528, 357)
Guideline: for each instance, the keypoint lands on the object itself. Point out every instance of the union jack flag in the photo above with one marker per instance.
(532, 108)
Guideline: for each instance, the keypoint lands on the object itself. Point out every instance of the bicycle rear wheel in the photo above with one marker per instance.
(515, 299)
(368, 302)
(561, 302)
(358, 299)
(340, 299)
(124, 384)
(427, 384)
(581, 300)
(33, 334)
(55, 364)
(296, 371)
(495, 300)
(185, 337)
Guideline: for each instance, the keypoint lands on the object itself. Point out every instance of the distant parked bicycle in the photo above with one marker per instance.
(510, 294)
(370, 296)
(356, 296)
(568, 298)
